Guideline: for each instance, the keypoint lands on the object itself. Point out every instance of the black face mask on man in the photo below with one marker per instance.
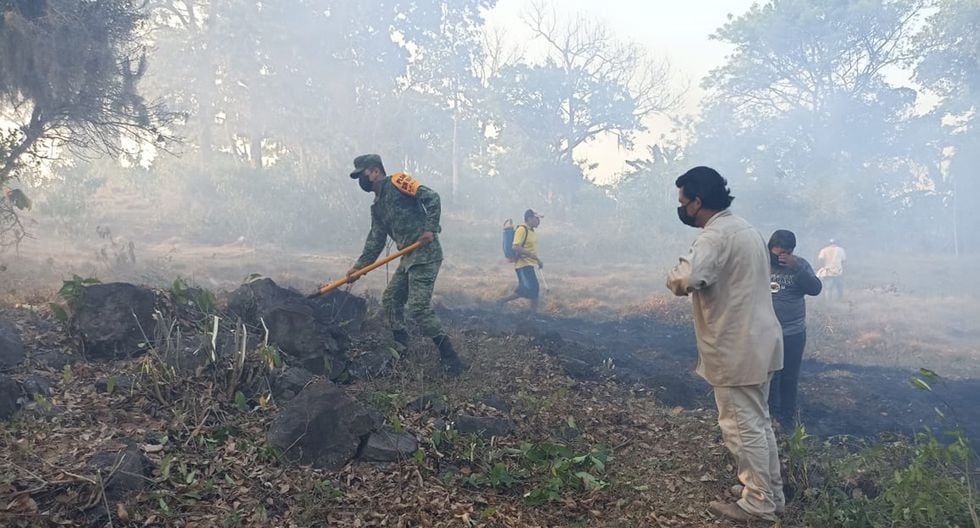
(688, 219)
(365, 183)
(774, 260)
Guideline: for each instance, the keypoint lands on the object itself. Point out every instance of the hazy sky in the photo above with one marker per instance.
(677, 29)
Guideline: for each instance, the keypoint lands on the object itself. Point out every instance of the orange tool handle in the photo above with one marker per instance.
(365, 270)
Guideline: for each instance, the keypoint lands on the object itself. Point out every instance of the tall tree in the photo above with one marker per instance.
(600, 84)
(68, 79)
(587, 85)
(804, 106)
(444, 71)
(951, 68)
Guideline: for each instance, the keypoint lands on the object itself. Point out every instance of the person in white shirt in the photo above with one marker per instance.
(831, 270)
(740, 341)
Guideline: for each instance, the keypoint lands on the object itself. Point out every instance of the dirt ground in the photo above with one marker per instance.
(860, 353)
(645, 405)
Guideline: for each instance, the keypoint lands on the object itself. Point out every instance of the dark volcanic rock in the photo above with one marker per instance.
(341, 310)
(114, 320)
(370, 364)
(189, 352)
(9, 393)
(290, 382)
(435, 404)
(485, 426)
(496, 402)
(11, 346)
(388, 446)
(130, 475)
(297, 325)
(37, 386)
(322, 426)
(54, 359)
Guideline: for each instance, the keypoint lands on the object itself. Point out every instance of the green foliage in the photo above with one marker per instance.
(270, 357)
(812, 130)
(59, 312)
(43, 401)
(72, 67)
(71, 290)
(547, 469)
(500, 477)
(201, 299)
(326, 489)
(241, 401)
(924, 484)
(386, 402)
(67, 375)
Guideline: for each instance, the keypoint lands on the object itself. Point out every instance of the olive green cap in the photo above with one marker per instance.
(365, 161)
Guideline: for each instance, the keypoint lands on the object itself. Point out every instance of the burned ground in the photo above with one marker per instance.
(606, 370)
(836, 398)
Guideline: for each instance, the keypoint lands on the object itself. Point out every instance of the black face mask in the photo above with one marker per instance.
(774, 260)
(365, 183)
(688, 219)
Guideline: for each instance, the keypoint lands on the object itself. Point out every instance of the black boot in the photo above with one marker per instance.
(448, 356)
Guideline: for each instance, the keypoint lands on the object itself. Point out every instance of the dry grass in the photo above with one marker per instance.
(907, 312)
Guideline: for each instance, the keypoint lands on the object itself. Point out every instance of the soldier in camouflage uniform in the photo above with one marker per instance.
(407, 212)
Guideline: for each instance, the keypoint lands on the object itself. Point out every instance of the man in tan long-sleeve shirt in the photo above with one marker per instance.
(726, 273)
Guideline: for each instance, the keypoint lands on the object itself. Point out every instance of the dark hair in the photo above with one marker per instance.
(783, 238)
(705, 183)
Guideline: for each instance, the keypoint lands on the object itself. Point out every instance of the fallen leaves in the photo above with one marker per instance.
(210, 466)
(22, 504)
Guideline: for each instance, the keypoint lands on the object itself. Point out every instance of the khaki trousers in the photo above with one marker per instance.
(743, 415)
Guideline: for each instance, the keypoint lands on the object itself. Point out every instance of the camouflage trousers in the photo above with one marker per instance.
(412, 288)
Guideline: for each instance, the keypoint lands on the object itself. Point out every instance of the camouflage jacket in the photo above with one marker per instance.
(403, 218)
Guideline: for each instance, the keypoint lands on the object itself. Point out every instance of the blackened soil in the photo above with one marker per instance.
(835, 399)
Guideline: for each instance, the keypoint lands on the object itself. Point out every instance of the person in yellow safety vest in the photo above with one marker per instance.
(526, 250)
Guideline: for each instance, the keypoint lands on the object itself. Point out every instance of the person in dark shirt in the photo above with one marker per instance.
(792, 278)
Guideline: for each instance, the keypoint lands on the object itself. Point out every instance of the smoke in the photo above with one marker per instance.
(279, 97)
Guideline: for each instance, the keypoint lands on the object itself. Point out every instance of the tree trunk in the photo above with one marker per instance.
(956, 221)
(455, 157)
(255, 135)
(32, 132)
(206, 79)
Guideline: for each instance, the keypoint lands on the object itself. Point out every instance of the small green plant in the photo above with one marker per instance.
(43, 402)
(268, 454)
(326, 489)
(500, 477)
(233, 520)
(241, 401)
(924, 482)
(165, 466)
(71, 290)
(59, 312)
(201, 299)
(269, 355)
(548, 469)
(442, 437)
(67, 376)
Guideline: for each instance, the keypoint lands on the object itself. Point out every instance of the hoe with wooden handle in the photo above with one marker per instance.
(365, 270)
